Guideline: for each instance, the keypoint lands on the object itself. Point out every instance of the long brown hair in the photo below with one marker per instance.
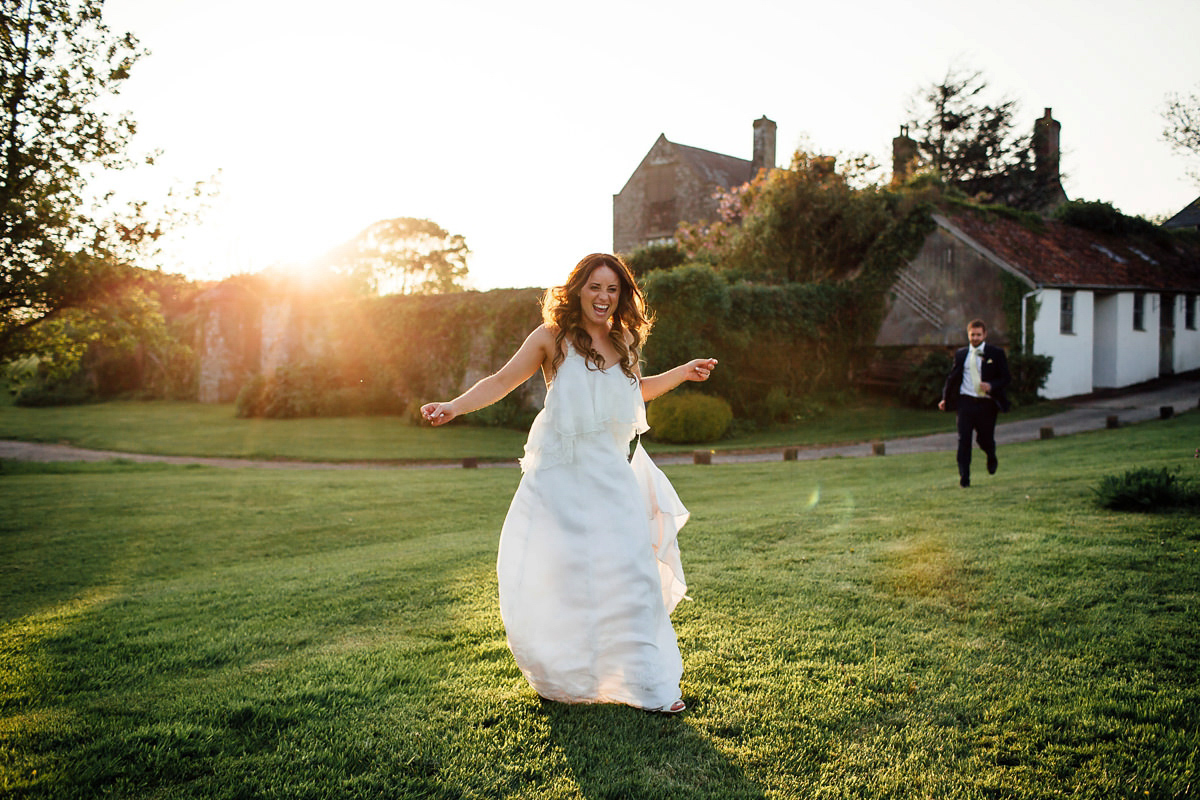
(631, 322)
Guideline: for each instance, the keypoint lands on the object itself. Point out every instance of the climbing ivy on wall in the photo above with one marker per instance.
(789, 338)
(1014, 290)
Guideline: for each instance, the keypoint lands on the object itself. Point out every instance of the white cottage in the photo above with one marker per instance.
(1112, 310)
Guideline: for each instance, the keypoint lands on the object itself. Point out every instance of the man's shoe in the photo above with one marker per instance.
(993, 462)
(964, 482)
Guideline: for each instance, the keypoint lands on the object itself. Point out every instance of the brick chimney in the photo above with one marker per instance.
(1045, 148)
(764, 146)
(904, 155)
(1047, 177)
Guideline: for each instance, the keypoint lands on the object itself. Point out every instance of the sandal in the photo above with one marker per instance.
(674, 708)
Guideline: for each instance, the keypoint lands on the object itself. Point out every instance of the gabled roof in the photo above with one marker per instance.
(1189, 217)
(716, 168)
(1063, 256)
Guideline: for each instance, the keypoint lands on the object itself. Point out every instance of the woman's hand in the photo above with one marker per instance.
(700, 369)
(438, 413)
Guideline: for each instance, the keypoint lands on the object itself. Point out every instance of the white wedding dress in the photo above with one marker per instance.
(589, 565)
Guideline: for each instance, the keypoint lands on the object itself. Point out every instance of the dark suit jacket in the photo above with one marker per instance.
(993, 370)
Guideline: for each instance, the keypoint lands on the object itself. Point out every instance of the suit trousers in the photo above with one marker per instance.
(976, 415)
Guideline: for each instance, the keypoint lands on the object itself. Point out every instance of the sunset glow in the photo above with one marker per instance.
(515, 125)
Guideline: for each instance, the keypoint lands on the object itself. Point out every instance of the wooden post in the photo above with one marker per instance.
(1112, 421)
(1047, 432)
(791, 453)
(470, 463)
(702, 457)
(1166, 412)
(878, 448)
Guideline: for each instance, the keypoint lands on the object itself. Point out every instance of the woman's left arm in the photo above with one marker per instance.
(696, 370)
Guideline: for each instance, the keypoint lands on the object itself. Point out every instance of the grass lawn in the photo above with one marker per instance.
(175, 428)
(861, 628)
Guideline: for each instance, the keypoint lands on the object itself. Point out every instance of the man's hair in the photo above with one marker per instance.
(977, 323)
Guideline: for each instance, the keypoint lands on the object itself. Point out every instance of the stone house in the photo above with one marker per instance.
(675, 183)
(1111, 310)
(1187, 219)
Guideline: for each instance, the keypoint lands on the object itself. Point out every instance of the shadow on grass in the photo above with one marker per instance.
(620, 752)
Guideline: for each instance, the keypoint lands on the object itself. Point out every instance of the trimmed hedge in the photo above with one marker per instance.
(388, 355)
(688, 417)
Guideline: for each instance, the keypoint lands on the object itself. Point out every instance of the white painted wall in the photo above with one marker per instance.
(1071, 372)
(1105, 324)
(1137, 357)
(1124, 356)
(1187, 342)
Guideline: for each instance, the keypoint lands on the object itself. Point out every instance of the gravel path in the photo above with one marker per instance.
(1087, 414)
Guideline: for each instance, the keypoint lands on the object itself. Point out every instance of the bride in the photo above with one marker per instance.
(588, 565)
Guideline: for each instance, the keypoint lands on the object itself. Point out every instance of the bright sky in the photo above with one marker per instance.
(514, 123)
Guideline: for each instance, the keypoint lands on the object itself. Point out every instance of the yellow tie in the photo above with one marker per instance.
(975, 380)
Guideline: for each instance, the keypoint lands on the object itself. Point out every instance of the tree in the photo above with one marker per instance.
(808, 223)
(1182, 131)
(60, 250)
(404, 256)
(962, 137)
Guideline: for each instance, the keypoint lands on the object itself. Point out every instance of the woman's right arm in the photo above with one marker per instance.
(537, 349)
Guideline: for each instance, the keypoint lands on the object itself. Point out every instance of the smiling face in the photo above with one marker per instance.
(599, 295)
(976, 335)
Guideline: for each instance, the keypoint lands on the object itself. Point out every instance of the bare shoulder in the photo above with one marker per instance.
(544, 335)
(543, 338)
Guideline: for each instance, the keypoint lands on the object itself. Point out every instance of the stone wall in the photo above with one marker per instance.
(247, 331)
(942, 289)
(228, 340)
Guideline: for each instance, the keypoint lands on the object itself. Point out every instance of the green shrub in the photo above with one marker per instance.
(299, 390)
(651, 257)
(71, 392)
(777, 405)
(921, 386)
(252, 397)
(688, 417)
(1029, 373)
(313, 390)
(1101, 217)
(1146, 489)
(509, 412)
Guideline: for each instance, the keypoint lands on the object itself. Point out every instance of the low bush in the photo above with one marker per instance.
(509, 412)
(922, 385)
(1029, 373)
(689, 417)
(1146, 489)
(652, 257)
(62, 393)
(300, 390)
(312, 390)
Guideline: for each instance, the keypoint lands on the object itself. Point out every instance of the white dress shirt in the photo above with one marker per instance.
(968, 386)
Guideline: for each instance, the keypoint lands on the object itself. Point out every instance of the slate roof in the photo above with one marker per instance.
(1189, 217)
(1064, 256)
(716, 168)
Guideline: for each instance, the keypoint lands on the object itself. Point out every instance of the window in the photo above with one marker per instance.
(1066, 319)
(1139, 311)
(1189, 312)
